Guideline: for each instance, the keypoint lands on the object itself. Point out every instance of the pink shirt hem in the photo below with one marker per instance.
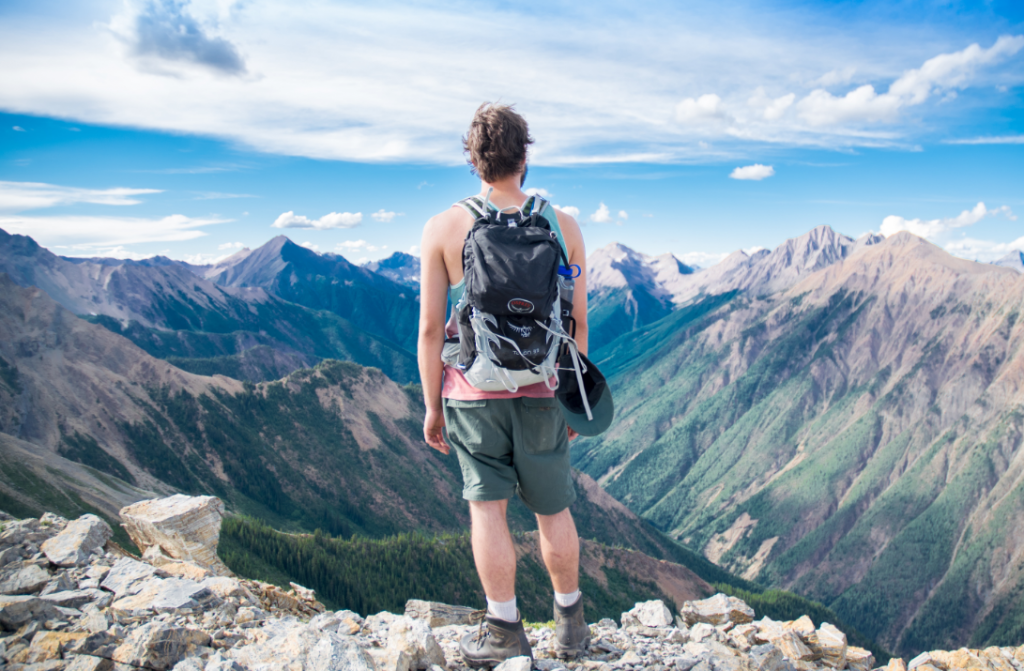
(456, 388)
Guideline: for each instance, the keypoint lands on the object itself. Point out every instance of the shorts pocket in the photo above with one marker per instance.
(454, 403)
(543, 425)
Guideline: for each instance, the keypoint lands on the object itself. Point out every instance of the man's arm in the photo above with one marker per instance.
(433, 301)
(577, 256)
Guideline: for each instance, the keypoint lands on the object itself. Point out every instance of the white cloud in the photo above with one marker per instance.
(938, 74)
(543, 193)
(84, 235)
(573, 212)
(771, 109)
(310, 246)
(623, 214)
(414, 250)
(231, 245)
(999, 139)
(254, 75)
(702, 259)
(383, 216)
(194, 259)
(755, 172)
(750, 251)
(707, 108)
(333, 220)
(984, 250)
(835, 77)
(355, 245)
(926, 229)
(23, 196)
(18, 129)
(602, 216)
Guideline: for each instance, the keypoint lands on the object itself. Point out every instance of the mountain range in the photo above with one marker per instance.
(839, 417)
(854, 435)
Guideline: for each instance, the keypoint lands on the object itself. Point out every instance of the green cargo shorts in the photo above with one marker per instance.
(512, 445)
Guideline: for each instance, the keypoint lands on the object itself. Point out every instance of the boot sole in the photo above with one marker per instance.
(488, 663)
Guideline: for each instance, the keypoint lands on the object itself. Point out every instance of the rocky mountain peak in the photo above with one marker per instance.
(399, 267)
(1014, 260)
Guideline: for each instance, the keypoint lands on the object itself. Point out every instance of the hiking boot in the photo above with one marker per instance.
(494, 642)
(572, 635)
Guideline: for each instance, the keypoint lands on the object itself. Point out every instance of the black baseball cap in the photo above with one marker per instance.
(599, 395)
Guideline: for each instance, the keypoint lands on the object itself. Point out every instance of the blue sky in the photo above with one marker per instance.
(187, 128)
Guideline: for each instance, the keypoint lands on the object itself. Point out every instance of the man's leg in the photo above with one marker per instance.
(493, 552)
(560, 547)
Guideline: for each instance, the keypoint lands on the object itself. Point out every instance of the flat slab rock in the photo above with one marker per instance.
(717, 610)
(438, 614)
(78, 540)
(185, 528)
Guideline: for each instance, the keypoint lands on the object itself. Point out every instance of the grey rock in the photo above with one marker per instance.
(25, 580)
(652, 614)
(337, 653)
(716, 610)
(414, 638)
(438, 614)
(220, 663)
(99, 644)
(515, 664)
(78, 540)
(125, 576)
(78, 598)
(88, 663)
(61, 582)
(607, 623)
(16, 611)
(683, 662)
(55, 522)
(159, 646)
(190, 664)
(8, 555)
(767, 657)
(169, 594)
(186, 528)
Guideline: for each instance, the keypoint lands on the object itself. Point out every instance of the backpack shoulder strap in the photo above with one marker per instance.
(474, 205)
(544, 209)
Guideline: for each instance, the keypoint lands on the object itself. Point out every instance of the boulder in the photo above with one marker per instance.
(78, 540)
(335, 652)
(896, 664)
(803, 627)
(186, 528)
(99, 644)
(859, 659)
(515, 664)
(792, 647)
(16, 611)
(88, 663)
(184, 569)
(25, 580)
(717, 610)
(11, 554)
(126, 576)
(51, 644)
(768, 657)
(652, 614)
(78, 598)
(225, 587)
(159, 646)
(438, 614)
(167, 594)
(833, 646)
(414, 638)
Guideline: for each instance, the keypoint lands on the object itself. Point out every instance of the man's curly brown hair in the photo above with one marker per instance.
(496, 141)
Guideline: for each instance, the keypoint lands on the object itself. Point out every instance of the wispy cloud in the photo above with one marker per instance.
(216, 195)
(231, 245)
(87, 235)
(702, 259)
(18, 129)
(383, 101)
(384, 216)
(927, 229)
(333, 220)
(998, 139)
(984, 250)
(24, 196)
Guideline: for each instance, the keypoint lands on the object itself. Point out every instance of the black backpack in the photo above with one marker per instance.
(515, 313)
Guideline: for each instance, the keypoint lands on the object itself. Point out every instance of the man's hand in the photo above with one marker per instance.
(572, 434)
(432, 425)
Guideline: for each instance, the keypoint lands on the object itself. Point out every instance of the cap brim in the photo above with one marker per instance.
(603, 414)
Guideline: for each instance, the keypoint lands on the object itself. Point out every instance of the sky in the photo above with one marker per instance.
(193, 128)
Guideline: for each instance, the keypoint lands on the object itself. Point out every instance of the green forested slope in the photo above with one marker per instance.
(857, 439)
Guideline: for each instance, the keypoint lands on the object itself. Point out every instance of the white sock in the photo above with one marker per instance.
(503, 610)
(566, 600)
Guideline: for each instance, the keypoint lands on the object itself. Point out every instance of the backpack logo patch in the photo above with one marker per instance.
(521, 331)
(520, 306)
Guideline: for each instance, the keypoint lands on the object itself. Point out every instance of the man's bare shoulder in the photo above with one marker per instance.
(445, 222)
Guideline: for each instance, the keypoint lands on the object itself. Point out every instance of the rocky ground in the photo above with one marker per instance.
(72, 600)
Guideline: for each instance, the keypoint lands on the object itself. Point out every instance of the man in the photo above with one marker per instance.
(506, 442)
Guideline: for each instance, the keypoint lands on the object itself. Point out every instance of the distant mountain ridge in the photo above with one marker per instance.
(172, 311)
(399, 267)
(855, 437)
(1014, 260)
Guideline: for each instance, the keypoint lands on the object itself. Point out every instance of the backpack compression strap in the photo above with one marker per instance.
(476, 207)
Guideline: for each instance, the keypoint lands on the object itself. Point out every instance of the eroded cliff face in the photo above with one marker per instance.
(857, 438)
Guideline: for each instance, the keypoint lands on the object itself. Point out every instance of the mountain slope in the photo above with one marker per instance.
(856, 438)
(625, 290)
(1014, 260)
(399, 267)
(163, 307)
(329, 282)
